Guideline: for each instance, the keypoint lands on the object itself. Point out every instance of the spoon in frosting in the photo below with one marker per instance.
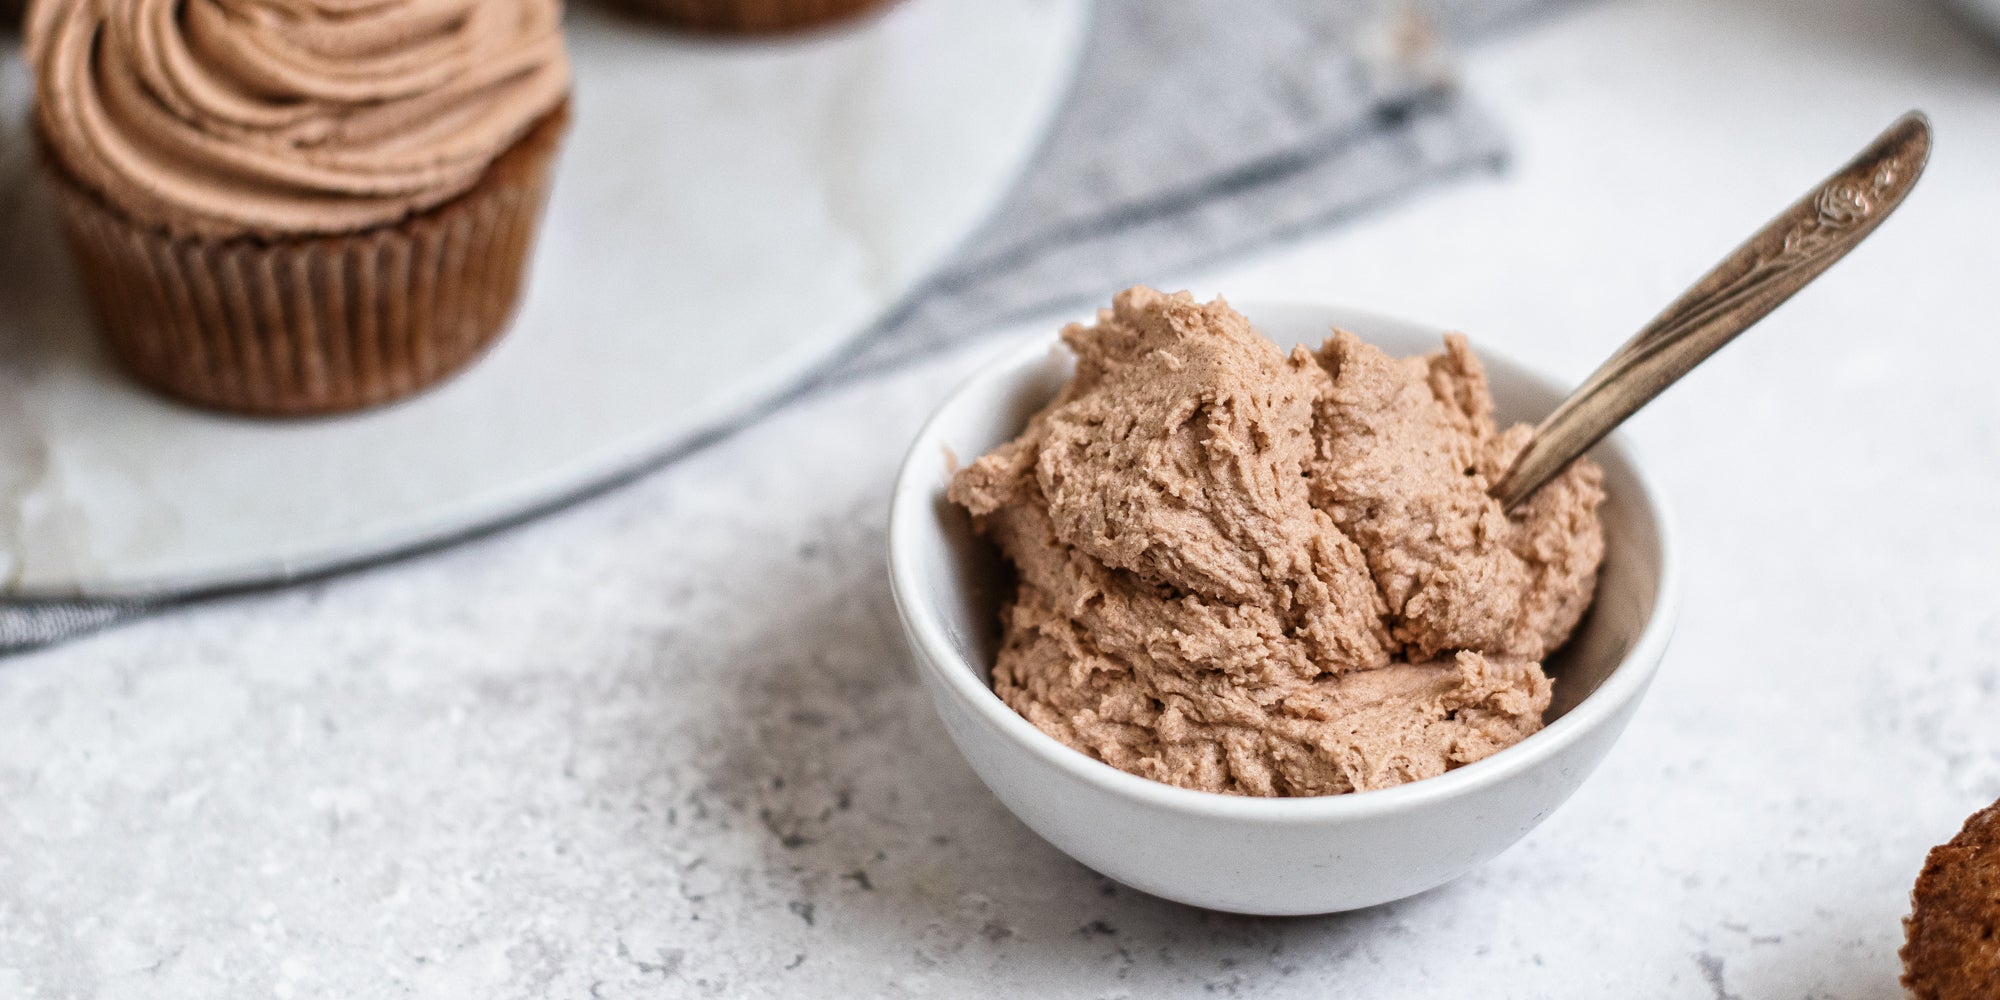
(1783, 257)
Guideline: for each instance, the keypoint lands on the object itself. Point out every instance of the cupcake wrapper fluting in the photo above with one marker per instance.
(314, 324)
(752, 16)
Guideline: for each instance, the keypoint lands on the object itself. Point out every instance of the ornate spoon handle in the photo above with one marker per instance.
(1782, 258)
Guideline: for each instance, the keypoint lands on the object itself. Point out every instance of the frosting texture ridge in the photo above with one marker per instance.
(1244, 571)
(223, 117)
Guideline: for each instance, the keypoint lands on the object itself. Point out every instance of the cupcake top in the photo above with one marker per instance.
(1953, 946)
(272, 117)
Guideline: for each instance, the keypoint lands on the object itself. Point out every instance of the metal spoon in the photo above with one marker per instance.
(1782, 258)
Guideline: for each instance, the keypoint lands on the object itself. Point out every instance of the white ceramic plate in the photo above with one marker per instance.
(726, 215)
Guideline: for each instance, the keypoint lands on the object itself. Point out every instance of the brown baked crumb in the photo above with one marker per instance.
(1953, 951)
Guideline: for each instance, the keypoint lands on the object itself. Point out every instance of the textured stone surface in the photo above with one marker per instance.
(668, 743)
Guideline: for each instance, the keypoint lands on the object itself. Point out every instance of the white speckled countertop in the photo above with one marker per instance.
(668, 743)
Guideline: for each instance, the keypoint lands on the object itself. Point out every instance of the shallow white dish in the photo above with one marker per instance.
(725, 216)
(1265, 856)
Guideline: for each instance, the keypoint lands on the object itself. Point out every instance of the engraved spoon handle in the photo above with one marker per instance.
(1782, 258)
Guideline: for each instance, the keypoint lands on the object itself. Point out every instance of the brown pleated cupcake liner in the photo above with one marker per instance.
(314, 324)
(752, 16)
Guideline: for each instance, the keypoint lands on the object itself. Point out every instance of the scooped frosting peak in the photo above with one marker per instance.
(289, 116)
(1245, 571)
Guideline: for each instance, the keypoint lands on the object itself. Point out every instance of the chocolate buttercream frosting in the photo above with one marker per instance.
(1260, 573)
(228, 117)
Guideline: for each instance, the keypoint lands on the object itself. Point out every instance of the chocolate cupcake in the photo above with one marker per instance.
(1953, 952)
(299, 206)
(752, 16)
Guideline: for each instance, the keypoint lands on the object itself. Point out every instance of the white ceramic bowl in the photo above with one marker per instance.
(1265, 856)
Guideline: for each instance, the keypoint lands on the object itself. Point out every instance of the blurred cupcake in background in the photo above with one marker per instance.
(299, 206)
(752, 16)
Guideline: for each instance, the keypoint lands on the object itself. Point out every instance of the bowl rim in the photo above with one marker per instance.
(910, 502)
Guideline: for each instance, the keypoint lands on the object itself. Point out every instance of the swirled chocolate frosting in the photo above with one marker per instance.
(224, 117)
